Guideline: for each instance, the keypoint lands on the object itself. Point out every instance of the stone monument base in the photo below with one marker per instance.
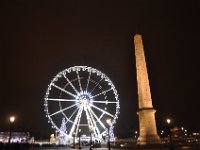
(149, 139)
(147, 124)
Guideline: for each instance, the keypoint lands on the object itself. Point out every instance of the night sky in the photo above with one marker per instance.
(41, 38)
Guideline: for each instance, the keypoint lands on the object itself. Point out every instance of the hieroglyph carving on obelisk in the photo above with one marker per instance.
(147, 123)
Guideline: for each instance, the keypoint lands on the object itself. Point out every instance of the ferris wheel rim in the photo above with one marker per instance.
(84, 68)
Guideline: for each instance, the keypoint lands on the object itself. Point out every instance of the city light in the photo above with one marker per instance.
(168, 121)
(108, 121)
(162, 132)
(12, 119)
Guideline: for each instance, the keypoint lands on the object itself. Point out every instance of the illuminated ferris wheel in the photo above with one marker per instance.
(81, 98)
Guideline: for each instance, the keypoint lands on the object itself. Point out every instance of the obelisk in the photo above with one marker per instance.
(147, 123)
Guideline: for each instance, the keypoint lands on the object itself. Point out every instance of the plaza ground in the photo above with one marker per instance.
(135, 148)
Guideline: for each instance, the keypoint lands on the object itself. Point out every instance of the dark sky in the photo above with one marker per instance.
(41, 38)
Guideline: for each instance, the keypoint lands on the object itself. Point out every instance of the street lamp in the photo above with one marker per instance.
(168, 121)
(170, 134)
(12, 120)
(108, 121)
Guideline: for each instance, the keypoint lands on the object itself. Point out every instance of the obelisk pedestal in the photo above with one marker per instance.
(147, 123)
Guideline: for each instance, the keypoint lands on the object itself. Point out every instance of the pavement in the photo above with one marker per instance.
(138, 148)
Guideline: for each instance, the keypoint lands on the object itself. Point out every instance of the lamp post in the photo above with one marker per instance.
(12, 120)
(170, 134)
(109, 123)
(79, 139)
(91, 146)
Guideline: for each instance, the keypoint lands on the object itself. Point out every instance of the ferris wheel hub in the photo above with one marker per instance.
(84, 99)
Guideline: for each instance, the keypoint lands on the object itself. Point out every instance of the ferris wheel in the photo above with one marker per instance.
(81, 98)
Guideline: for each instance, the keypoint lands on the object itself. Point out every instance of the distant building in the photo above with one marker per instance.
(16, 137)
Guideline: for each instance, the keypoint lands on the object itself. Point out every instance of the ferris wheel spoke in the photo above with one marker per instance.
(79, 118)
(105, 102)
(98, 119)
(76, 119)
(73, 87)
(101, 116)
(62, 100)
(79, 81)
(89, 120)
(69, 119)
(96, 85)
(88, 81)
(93, 123)
(65, 91)
(78, 123)
(103, 92)
(63, 110)
(109, 114)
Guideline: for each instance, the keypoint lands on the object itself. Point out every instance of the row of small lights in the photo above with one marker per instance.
(12, 120)
(185, 131)
(169, 122)
(162, 131)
